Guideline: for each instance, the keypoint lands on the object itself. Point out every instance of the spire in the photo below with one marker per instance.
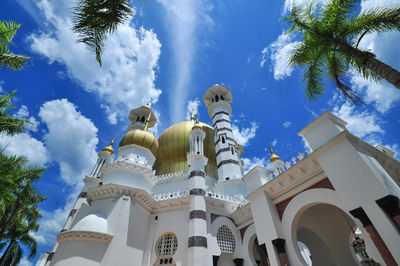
(197, 123)
(147, 122)
(109, 148)
(274, 157)
(192, 116)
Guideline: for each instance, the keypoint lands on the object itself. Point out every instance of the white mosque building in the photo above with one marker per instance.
(183, 199)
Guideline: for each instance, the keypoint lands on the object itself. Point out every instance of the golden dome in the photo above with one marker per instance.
(109, 148)
(174, 145)
(141, 138)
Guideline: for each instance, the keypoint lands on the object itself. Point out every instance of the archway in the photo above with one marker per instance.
(327, 232)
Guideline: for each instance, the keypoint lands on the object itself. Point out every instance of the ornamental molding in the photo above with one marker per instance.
(165, 202)
(84, 236)
(134, 146)
(89, 179)
(132, 167)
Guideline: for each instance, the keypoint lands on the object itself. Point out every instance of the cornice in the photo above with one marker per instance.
(84, 236)
(131, 167)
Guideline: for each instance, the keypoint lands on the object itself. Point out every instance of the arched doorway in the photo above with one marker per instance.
(327, 233)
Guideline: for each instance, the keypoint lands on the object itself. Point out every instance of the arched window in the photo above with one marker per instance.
(222, 98)
(167, 245)
(142, 119)
(225, 239)
(216, 98)
(223, 140)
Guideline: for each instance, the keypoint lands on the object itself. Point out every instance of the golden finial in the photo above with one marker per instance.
(197, 123)
(109, 148)
(274, 157)
(192, 116)
(197, 118)
(147, 122)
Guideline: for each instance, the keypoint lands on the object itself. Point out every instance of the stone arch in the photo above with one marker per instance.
(248, 242)
(299, 205)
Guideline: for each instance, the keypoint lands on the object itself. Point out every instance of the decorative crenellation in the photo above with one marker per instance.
(170, 195)
(178, 176)
(84, 236)
(128, 165)
(294, 160)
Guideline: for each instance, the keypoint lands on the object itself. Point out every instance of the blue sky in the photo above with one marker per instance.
(168, 54)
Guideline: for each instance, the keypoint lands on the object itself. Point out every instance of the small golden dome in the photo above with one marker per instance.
(141, 138)
(109, 148)
(174, 145)
(274, 157)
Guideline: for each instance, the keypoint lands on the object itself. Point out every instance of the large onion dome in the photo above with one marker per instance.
(174, 145)
(141, 138)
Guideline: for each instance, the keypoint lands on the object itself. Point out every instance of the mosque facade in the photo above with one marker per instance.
(184, 199)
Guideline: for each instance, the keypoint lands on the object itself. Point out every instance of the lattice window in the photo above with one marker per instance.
(167, 245)
(225, 239)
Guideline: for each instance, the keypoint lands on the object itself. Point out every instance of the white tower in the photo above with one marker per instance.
(217, 100)
(104, 157)
(276, 163)
(197, 233)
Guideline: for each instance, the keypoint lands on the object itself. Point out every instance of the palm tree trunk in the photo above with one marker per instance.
(3, 257)
(387, 72)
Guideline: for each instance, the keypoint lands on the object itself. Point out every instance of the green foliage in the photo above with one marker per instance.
(18, 207)
(7, 58)
(94, 20)
(330, 38)
(9, 124)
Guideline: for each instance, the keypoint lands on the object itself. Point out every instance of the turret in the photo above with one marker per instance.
(217, 100)
(197, 231)
(104, 157)
(276, 164)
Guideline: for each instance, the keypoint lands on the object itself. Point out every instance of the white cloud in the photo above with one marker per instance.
(243, 135)
(192, 106)
(250, 163)
(24, 144)
(71, 139)
(25, 262)
(184, 18)
(24, 113)
(287, 124)
(361, 124)
(130, 59)
(39, 238)
(279, 52)
(289, 3)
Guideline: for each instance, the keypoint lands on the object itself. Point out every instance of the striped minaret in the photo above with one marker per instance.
(197, 233)
(217, 100)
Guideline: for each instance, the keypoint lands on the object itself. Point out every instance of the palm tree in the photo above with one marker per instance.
(94, 20)
(9, 124)
(329, 47)
(7, 58)
(17, 236)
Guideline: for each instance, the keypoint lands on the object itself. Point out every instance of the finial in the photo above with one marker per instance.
(270, 148)
(192, 115)
(197, 118)
(109, 148)
(147, 122)
(274, 157)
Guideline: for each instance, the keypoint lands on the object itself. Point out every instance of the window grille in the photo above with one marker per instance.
(167, 245)
(225, 239)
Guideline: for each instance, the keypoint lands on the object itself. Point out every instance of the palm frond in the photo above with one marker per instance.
(313, 76)
(9, 124)
(13, 61)
(374, 20)
(94, 20)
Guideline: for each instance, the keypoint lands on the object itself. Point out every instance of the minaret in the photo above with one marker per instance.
(197, 233)
(276, 163)
(217, 100)
(103, 158)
